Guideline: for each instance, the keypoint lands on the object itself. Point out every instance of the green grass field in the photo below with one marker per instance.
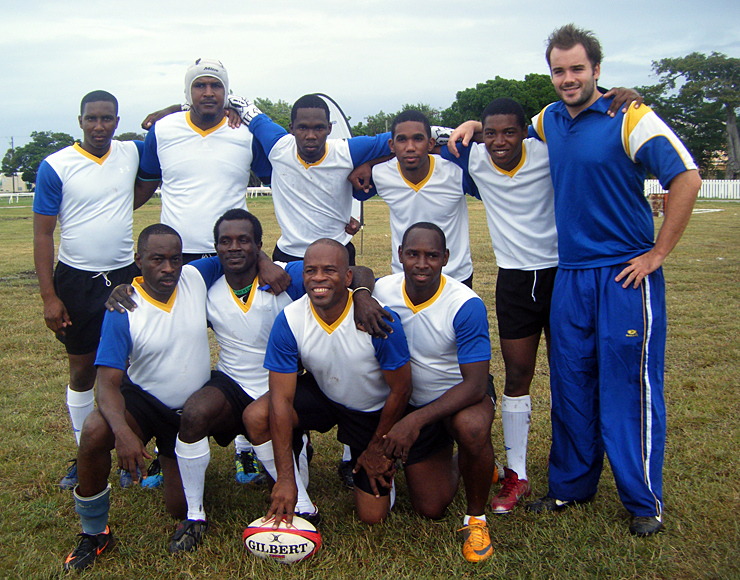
(701, 476)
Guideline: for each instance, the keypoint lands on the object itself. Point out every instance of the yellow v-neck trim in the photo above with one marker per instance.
(90, 156)
(329, 328)
(519, 165)
(315, 163)
(245, 306)
(416, 308)
(417, 186)
(167, 307)
(201, 132)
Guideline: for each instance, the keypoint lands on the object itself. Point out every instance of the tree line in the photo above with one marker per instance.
(697, 95)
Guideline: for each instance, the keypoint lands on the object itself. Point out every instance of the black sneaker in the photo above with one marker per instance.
(643, 526)
(313, 518)
(550, 504)
(187, 536)
(89, 548)
(70, 480)
(344, 469)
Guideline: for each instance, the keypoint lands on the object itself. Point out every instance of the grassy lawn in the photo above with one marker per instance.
(701, 476)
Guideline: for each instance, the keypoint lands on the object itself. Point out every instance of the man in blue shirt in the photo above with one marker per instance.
(608, 317)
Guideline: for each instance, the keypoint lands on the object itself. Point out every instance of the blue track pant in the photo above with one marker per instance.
(607, 361)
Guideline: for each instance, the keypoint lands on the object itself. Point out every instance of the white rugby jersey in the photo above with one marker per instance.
(93, 198)
(439, 198)
(314, 200)
(166, 343)
(204, 174)
(243, 329)
(519, 205)
(448, 330)
(347, 363)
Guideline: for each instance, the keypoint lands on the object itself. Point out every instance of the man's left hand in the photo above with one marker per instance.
(638, 268)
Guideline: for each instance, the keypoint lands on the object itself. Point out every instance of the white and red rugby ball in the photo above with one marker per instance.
(287, 544)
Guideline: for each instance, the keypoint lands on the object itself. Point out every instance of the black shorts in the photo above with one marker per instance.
(317, 412)
(523, 302)
(279, 256)
(155, 419)
(83, 295)
(187, 258)
(238, 400)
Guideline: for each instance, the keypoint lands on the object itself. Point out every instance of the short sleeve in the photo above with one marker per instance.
(471, 332)
(282, 349)
(392, 352)
(48, 196)
(149, 167)
(210, 269)
(363, 148)
(295, 271)
(115, 341)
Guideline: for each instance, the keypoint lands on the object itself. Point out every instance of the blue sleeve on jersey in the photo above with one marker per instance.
(209, 268)
(363, 148)
(360, 195)
(296, 288)
(392, 352)
(149, 167)
(115, 341)
(139, 149)
(267, 132)
(463, 162)
(260, 163)
(661, 159)
(48, 196)
(471, 332)
(282, 349)
(531, 132)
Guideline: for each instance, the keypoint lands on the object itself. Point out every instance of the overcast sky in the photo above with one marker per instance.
(368, 56)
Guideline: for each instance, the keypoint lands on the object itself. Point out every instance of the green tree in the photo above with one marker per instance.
(698, 123)
(381, 121)
(26, 159)
(278, 111)
(713, 79)
(130, 136)
(533, 93)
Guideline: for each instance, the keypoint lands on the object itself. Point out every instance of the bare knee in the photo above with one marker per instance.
(256, 419)
(96, 434)
(429, 507)
(471, 427)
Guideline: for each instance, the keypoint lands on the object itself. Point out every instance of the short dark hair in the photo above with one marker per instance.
(426, 226)
(154, 230)
(505, 106)
(239, 214)
(96, 96)
(334, 244)
(570, 35)
(411, 115)
(309, 102)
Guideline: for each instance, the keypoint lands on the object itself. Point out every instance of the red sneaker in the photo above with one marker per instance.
(512, 490)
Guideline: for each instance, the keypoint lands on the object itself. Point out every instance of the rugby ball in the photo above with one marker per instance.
(288, 544)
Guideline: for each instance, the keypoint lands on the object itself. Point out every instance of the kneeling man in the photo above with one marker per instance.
(362, 385)
(447, 329)
(166, 341)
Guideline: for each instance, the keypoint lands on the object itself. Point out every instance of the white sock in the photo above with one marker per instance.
(80, 405)
(303, 462)
(346, 453)
(193, 459)
(266, 455)
(241, 443)
(466, 519)
(516, 414)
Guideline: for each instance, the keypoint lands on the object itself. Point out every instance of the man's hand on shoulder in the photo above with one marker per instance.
(272, 275)
(370, 315)
(120, 299)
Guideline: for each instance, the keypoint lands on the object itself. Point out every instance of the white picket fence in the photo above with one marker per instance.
(710, 188)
